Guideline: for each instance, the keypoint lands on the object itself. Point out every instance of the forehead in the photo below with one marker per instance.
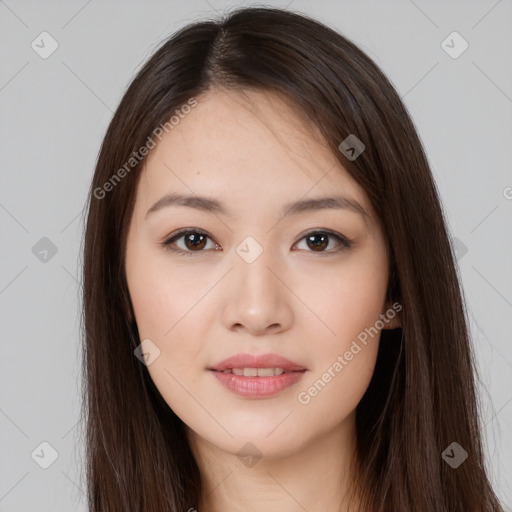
(250, 145)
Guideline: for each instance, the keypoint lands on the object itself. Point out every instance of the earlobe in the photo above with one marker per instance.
(392, 315)
(394, 323)
(126, 306)
(128, 313)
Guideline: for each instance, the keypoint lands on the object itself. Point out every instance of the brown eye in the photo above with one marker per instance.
(318, 241)
(193, 241)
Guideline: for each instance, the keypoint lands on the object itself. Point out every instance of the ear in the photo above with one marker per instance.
(127, 308)
(392, 315)
(129, 314)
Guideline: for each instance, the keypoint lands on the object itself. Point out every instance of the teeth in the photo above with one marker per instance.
(256, 372)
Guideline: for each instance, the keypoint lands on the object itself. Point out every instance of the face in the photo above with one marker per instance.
(253, 309)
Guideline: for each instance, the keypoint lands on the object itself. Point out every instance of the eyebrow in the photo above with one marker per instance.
(211, 205)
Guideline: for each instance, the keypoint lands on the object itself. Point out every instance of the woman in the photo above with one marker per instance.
(272, 314)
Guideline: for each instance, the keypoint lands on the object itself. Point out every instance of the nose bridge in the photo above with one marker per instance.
(255, 280)
(257, 298)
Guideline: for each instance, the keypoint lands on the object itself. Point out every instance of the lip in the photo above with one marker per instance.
(257, 387)
(254, 361)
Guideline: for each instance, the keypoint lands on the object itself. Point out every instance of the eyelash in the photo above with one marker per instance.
(345, 243)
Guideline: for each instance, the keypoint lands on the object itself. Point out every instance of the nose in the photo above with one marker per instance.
(257, 297)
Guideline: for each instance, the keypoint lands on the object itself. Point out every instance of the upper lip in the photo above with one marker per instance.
(261, 361)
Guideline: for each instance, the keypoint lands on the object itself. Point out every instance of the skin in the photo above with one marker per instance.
(253, 153)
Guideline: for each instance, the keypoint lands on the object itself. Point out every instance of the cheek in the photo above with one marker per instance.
(161, 295)
(170, 320)
(347, 342)
(344, 361)
(336, 390)
(350, 302)
(172, 303)
(166, 310)
(166, 305)
(154, 311)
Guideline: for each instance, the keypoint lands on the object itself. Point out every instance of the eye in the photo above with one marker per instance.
(194, 241)
(318, 241)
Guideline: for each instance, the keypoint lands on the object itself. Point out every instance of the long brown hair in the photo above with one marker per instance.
(422, 395)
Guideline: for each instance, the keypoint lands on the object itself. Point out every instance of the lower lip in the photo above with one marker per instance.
(257, 387)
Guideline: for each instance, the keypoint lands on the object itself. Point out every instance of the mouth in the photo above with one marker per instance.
(256, 372)
(251, 363)
(252, 376)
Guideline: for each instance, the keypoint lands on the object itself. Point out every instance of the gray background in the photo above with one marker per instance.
(55, 112)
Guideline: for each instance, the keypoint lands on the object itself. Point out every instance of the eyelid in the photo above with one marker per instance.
(343, 240)
(180, 233)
